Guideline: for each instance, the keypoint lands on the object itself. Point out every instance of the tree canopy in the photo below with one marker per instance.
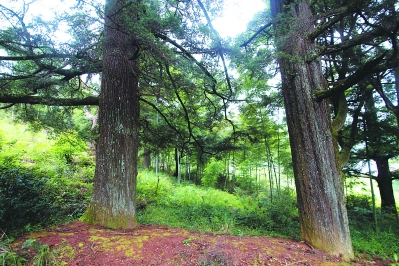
(169, 81)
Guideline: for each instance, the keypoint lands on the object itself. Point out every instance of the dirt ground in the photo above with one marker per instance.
(80, 244)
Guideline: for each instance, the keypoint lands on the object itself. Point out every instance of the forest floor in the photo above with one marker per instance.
(78, 243)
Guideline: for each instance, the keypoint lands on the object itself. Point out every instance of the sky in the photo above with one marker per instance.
(234, 20)
(236, 15)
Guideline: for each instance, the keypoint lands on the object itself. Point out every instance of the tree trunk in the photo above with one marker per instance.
(113, 201)
(321, 205)
(146, 159)
(384, 181)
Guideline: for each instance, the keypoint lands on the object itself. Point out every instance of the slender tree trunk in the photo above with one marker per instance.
(320, 193)
(113, 200)
(384, 181)
(146, 158)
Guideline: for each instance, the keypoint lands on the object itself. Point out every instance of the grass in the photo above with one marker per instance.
(161, 200)
(212, 210)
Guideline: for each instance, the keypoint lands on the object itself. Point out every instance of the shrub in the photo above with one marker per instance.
(279, 216)
(366, 238)
(28, 199)
(360, 212)
(212, 174)
(22, 201)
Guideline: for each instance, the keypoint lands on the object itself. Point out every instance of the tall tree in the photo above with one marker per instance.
(38, 70)
(114, 193)
(322, 212)
(380, 132)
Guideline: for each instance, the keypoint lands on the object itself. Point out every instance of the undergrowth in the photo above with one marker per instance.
(48, 184)
(368, 239)
(212, 210)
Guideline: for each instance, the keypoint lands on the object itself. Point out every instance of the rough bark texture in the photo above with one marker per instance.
(321, 205)
(384, 182)
(113, 200)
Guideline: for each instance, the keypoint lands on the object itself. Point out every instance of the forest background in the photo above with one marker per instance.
(229, 138)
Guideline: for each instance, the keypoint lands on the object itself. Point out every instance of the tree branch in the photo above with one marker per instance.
(7, 106)
(256, 34)
(388, 103)
(190, 130)
(163, 116)
(338, 14)
(360, 39)
(34, 57)
(367, 69)
(50, 101)
(218, 40)
(189, 55)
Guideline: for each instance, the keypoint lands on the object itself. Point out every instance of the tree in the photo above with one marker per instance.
(137, 45)
(380, 132)
(321, 205)
(114, 193)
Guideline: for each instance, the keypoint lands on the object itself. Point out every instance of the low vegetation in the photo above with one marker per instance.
(40, 188)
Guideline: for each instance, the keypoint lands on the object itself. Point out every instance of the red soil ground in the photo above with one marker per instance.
(81, 244)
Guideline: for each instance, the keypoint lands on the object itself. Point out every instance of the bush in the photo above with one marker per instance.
(360, 212)
(29, 199)
(279, 217)
(212, 173)
(366, 238)
(22, 199)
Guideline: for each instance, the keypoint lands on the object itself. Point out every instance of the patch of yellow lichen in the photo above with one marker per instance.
(67, 234)
(235, 243)
(156, 233)
(104, 242)
(131, 246)
(65, 251)
(94, 231)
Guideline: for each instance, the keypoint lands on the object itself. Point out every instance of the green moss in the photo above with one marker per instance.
(101, 216)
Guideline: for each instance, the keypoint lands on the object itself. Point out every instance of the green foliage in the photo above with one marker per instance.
(44, 255)
(279, 216)
(2, 139)
(63, 155)
(212, 173)
(366, 240)
(209, 209)
(360, 210)
(395, 259)
(7, 255)
(382, 244)
(23, 199)
(28, 200)
(67, 145)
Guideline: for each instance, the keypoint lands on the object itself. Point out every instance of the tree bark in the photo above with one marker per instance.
(384, 182)
(321, 205)
(113, 201)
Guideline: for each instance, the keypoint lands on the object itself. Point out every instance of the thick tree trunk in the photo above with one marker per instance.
(321, 205)
(113, 200)
(384, 181)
